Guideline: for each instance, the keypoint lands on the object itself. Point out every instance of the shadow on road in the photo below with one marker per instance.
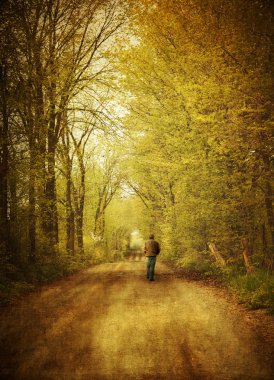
(109, 322)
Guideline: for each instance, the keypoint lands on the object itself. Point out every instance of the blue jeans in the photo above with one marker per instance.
(151, 261)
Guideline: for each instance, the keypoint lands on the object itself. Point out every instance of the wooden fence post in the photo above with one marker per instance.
(218, 257)
(246, 255)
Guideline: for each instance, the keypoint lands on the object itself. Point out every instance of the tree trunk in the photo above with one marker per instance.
(32, 216)
(70, 222)
(36, 105)
(4, 157)
(15, 227)
(246, 255)
(80, 216)
(97, 220)
(78, 206)
(51, 195)
(79, 231)
(51, 225)
(70, 215)
(99, 227)
(218, 257)
(269, 211)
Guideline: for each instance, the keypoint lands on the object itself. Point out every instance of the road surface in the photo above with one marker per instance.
(110, 322)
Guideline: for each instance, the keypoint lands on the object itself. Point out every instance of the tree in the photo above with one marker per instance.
(199, 109)
(57, 56)
(107, 186)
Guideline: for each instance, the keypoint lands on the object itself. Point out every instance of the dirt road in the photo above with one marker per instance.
(109, 322)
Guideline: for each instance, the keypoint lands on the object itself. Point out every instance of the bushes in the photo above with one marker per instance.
(18, 280)
(15, 281)
(256, 289)
(10, 290)
(51, 269)
(197, 262)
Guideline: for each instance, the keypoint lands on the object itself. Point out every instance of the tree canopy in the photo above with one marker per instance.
(146, 115)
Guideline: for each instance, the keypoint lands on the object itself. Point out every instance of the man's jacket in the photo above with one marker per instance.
(152, 248)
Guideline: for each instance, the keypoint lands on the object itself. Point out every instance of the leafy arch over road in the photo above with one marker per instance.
(173, 97)
(200, 96)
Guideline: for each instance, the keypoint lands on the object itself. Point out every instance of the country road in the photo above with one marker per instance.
(109, 322)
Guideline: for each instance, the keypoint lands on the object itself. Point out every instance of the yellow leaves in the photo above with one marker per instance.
(198, 106)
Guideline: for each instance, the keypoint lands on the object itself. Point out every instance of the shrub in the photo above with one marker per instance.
(15, 281)
(197, 262)
(254, 289)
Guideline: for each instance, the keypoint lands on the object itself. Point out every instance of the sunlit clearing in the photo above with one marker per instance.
(136, 240)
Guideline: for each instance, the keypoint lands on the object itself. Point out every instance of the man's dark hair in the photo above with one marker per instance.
(151, 236)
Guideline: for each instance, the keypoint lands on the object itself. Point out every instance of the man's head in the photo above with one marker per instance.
(151, 236)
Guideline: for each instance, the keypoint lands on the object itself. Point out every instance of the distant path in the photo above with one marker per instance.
(109, 322)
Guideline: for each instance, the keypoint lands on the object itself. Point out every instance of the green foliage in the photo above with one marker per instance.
(15, 281)
(12, 283)
(197, 262)
(10, 291)
(201, 158)
(192, 135)
(256, 289)
(100, 253)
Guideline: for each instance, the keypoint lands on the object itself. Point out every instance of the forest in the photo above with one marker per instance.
(119, 118)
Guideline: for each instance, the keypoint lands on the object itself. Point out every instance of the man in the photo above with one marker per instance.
(151, 250)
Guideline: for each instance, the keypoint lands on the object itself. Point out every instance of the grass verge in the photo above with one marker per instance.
(21, 279)
(255, 290)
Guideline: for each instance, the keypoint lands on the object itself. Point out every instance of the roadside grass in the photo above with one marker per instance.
(17, 280)
(198, 262)
(11, 290)
(255, 290)
(25, 277)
